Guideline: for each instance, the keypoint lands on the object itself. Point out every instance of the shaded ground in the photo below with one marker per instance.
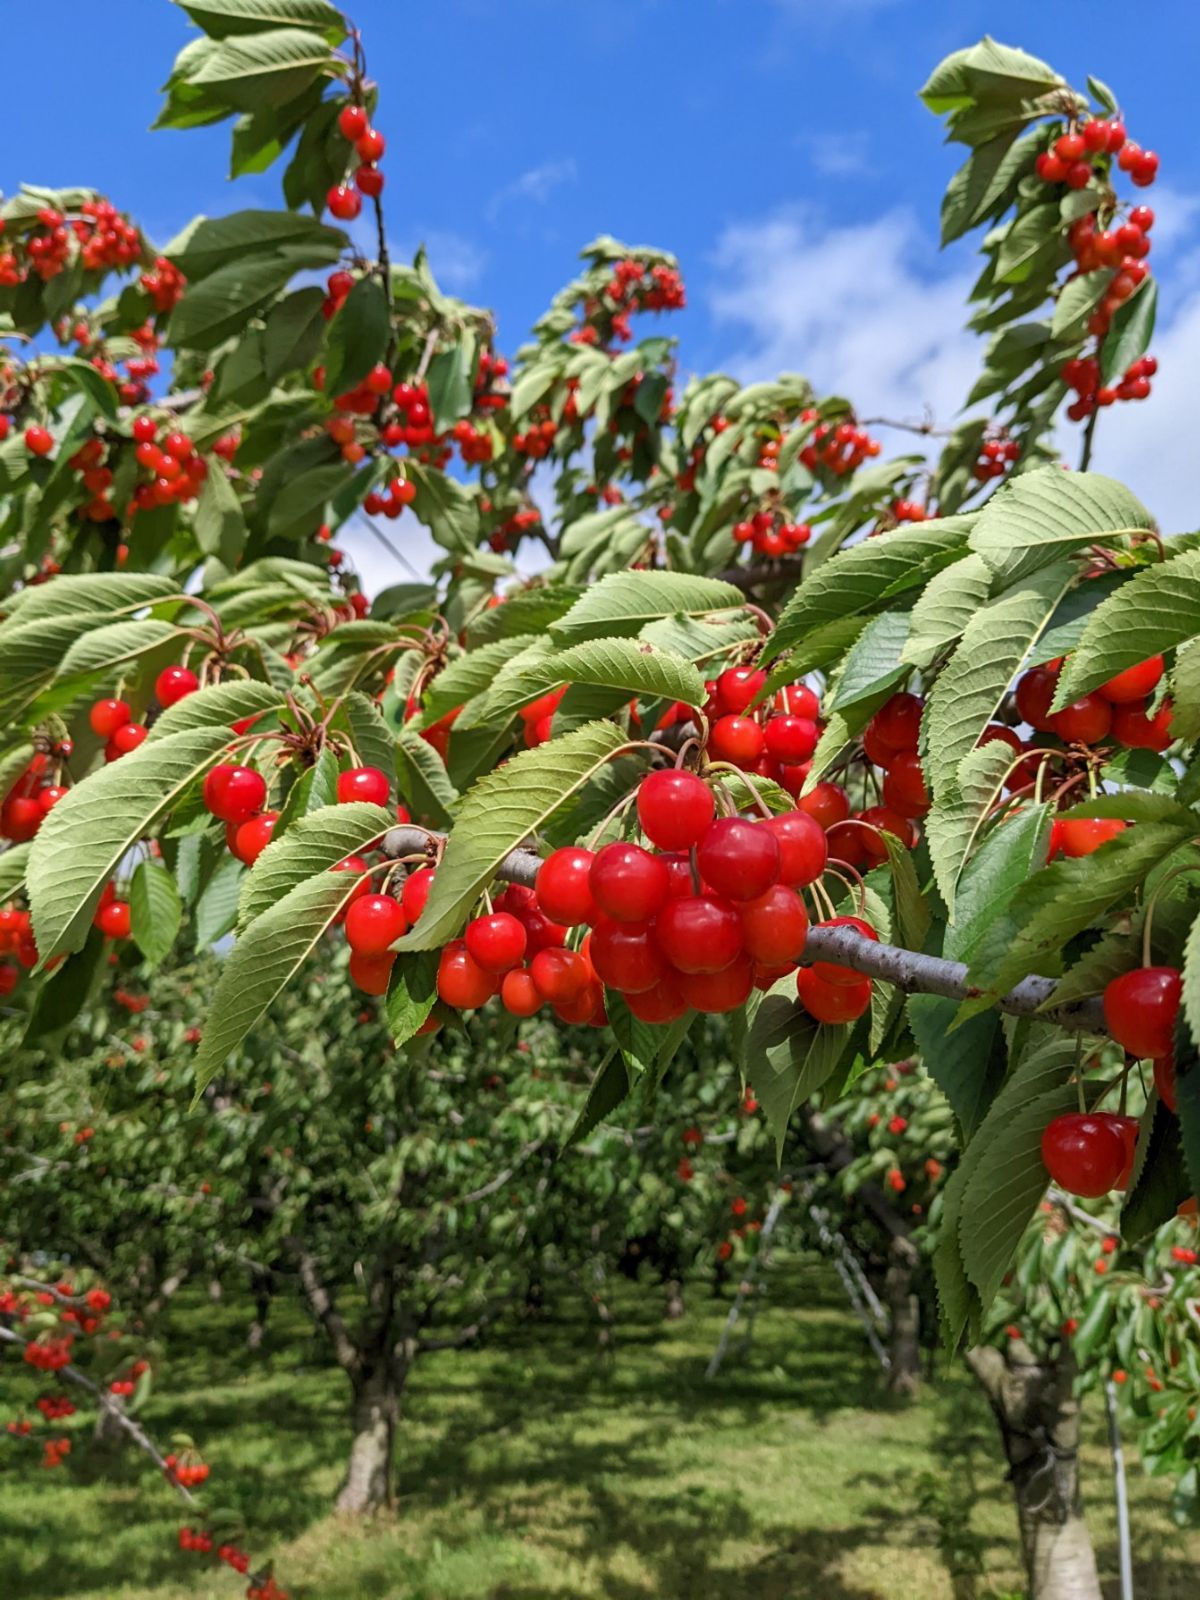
(538, 1469)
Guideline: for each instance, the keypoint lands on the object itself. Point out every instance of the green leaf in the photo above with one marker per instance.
(64, 994)
(1159, 1180)
(299, 508)
(1037, 517)
(944, 608)
(94, 825)
(221, 18)
(294, 332)
(211, 242)
(155, 911)
(645, 1046)
(1157, 608)
(967, 1062)
(84, 376)
(264, 69)
(1129, 332)
(220, 305)
(102, 649)
(1079, 298)
(219, 523)
(1010, 854)
(501, 812)
(1187, 1092)
(788, 1056)
(263, 961)
(874, 664)
(96, 592)
(446, 508)
(609, 1088)
(311, 846)
(469, 675)
(624, 602)
(423, 779)
(530, 612)
(218, 706)
(217, 903)
(631, 665)
(412, 994)
(358, 336)
(912, 910)
(449, 383)
(13, 864)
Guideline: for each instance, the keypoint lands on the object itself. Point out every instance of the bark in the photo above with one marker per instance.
(674, 1306)
(262, 1286)
(375, 1413)
(1038, 1416)
(904, 1375)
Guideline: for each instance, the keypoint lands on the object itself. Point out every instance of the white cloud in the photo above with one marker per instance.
(837, 155)
(536, 185)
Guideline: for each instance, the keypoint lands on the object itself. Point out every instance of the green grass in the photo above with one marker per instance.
(539, 1469)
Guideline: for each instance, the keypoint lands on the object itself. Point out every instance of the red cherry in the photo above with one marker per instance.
(1035, 693)
(357, 865)
(674, 809)
(1079, 836)
(790, 739)
(344, 203)
(897, 723)
(20, 818)
(544, 706)
(124, 739)
(1140, 1008)
(563, 889)
(1086, 721)
(1164, 1081)
(736, 687)
(775, 926)
(1135, 683)
(1135, 729)
(1085, 1154)
(370, 145)
(559, 975)
(718, 992)
(1144, 168)
(461, 981)
(114, 920)
(883, 817)
(1070, 146)
(802, 848)
(372, 974)
(253, 837)
(174, 684)
(106, 716)
(625, 955)
(848, 843)
(144, 430)
(628, 883)
(49, 796)
(800, 701)
(518, 993)
(739, 859)
(904, 788)
(832, 1002)
(38, 441)
(373, 923)
(738, 740)
(370, 181)
(663, 1003)
(496, 942)
(352, 122)
(827, 803)
(698, 933)
(364, 783)
(416, 892)
(235, 794)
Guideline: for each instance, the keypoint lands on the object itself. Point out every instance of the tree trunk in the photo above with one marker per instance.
(904, 1375)
(1038, 1416)
(674, 1306)
(262, 1286)
(376, 1410)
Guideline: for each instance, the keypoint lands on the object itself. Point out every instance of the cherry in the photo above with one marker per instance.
(1140, 1008)
(847, 842)
(832, 1002)
(1144, 168)
(738, 740)
(49, 796)
(357, 865)
(717, 992)
(790, 739)
(461, 981)
(1135, 683)
(800, 701)
(1085, 1153)
(106, 716)
(698, 933)
(674, 809)
(364, 783)
(1035, 694)
(370, 145)
(775, 926)
(371, 974)
(628, 883)
(20, 818)
(739, 859)
(559, 975)
(1164, 1081)
(1070, 146)
(883, 817)
(904, 788)
(144, 430)
(114, 920)
(174, 684)
(1086, 721)
(897, 723)
(827, 803)
(1079, 836)
(124, 739)
(235, 794)
(563, 889)
(345, 203)
(352, 122)
(1135, 729)
(370, 181)
(496, 942)
(519, 994)
(544, 706)
(736, 687)
(416, 892)
(38, 441)
(663, 1003)
(625, 955)
(802, 848)
(253, 837)
(373, 923)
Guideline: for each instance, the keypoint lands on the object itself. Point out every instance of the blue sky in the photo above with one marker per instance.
(776, 146)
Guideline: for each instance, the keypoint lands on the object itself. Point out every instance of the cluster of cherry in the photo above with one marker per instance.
(1072, 158)
(769, 533)
(996, 456)
(838, 447)
(1118, 709)
(344, 201)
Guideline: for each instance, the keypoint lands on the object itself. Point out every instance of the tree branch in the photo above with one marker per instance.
(323, 1307)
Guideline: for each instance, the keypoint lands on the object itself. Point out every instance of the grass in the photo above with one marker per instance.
(539, 1469)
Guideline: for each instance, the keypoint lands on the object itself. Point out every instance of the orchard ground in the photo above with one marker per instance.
(539, 1468)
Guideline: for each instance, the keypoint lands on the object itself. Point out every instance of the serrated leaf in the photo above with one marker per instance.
(312, 845)
(411, 995)
(155, 911)
(449, 384)
(264, 69)
(469, 675)
(530, 612)
(220, 705)
(1157, 608)
(967, 1062)
(217, 903)
(221, 18)
(220, 523)
(94, 825)
(873, 665)
(788, 1056)
(499, 813)
(423, 779)
(1040, 516)
(1079, 298)
(631, 665)
(624, 602)
(299, 507)
(944, 608)
(220, 305)
(1009, 855)
(294, 332)
(103, 594)
(1129, 332)
(1159, 1180)
(358, 335)
(211, 242)
(102, 649)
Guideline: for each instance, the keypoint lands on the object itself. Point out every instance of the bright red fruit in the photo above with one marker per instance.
(352, 122)
(253, 837)
(370, 145)
(1035, 694)
(560, 975)
(416, 891)
(114, 919)
(904, 788)
(739, 859)
(461, 981)
(826, 803)
(831, 971)
(38, 441)
(496, 942)
(716, 992)
(628, 883)
(802, 848)
(518, 993)
(1085, 1153)
(832, 1002)
(1085, 721)
(371, 974)
(889, 821)
(775, 926)
(738, 740)
(737, 686)
(1135, 683)
(674, 808)
(663, 1003)
(625, 956)
(345, 203)
(233, 793)
(106, 716)
(373, 922)
(698, 933)
(897, 723)
(1164, 1081)
(790, 739)
(124, 739)
(563, 889)
(1140, 1008)
(1134, 728)
(364, 783)
(174, 684)
(1079, 836)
